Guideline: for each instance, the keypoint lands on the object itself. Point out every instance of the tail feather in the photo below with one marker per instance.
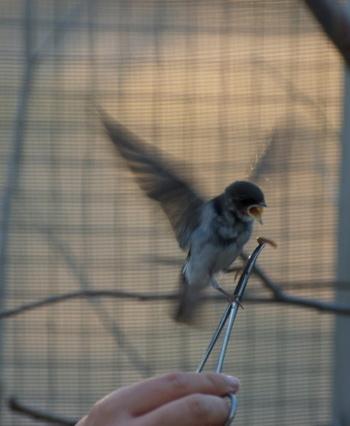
(188, 301)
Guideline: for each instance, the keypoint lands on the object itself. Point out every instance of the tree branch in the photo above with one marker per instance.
(318, 305)
(74, 265)
(335, 21)
(267, 281)
(279, 296)
(49, 300)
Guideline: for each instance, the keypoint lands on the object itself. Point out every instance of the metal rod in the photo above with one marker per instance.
(233, 312)
(242, 283)
(238, 295)
(214, 339)
(230, 314)
(233, 409)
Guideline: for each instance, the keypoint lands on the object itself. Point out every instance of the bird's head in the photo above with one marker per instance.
(246, 198)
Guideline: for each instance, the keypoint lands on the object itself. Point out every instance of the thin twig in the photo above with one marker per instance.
(37, 414)
(18, 132)
(13, 168)
(19, 126)
(318, 305)
(280, 296)
(59, 31)
(297, 94)
(74, 266)
(267, 281)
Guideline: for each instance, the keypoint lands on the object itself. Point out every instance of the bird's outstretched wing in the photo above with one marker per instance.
(181, 204)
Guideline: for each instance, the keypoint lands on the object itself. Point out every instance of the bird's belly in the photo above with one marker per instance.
(208, 261)
(223, 258)
(209, 257)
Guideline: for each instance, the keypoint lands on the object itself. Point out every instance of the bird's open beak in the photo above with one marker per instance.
(256, 212)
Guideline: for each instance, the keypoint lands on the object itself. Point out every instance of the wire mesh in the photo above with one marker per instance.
(216, 85)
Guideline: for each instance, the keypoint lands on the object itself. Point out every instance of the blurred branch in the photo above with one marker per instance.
(278, 293)
(15, 159)
(295, 93)
(266, 280)
(14, 162)
(49, 300)
(279, 296)
(318, 305)
(59, 30)
(18, 132)
(74, 266)
(335, 21)
(19, 124)
(41, 415)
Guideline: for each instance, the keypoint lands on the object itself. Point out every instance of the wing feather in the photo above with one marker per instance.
(181, 204)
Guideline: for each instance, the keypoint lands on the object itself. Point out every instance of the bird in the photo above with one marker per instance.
(212, 231)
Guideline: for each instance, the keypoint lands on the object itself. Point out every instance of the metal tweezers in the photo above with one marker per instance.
(230, 315)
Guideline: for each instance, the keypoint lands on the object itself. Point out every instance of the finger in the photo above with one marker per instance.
(151, 394)
(82, 421)
(193, 410)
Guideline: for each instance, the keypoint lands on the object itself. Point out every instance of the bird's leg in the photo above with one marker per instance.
(217, 286)
(236, 269)
(230, 298)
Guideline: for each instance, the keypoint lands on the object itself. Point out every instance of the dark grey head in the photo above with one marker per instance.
(247, 198)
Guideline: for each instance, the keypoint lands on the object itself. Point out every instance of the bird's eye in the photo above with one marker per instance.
(245, 201)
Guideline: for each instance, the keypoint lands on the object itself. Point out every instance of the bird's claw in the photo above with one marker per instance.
(235, 299)
(236, 269)
(230, 297)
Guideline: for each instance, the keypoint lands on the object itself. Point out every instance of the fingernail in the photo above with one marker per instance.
(233, 382)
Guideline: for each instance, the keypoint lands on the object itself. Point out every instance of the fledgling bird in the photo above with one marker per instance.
(214, 232)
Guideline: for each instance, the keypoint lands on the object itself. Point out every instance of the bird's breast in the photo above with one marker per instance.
(214, 246)
(229, 248)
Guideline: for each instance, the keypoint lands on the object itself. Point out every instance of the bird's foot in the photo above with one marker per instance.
(234, 298)
(236, 269)
(230, 298)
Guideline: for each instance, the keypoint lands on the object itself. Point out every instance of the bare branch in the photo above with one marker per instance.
(41, 415)
(18, 132)
(318, 305)
(267, 281)
(19, 127)
(335, 21)
(68, 20)
(278, 294)
(49, 300)
(14, 163)
(74, 265)
(278, 297)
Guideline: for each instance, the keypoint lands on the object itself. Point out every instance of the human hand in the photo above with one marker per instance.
(186, 399)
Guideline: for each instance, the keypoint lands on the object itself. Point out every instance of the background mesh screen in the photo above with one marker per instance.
(214, 84)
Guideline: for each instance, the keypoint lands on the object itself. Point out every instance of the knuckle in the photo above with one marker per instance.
(197, 407)
(176, 381)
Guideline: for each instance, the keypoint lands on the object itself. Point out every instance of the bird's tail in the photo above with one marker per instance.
(189, 299)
